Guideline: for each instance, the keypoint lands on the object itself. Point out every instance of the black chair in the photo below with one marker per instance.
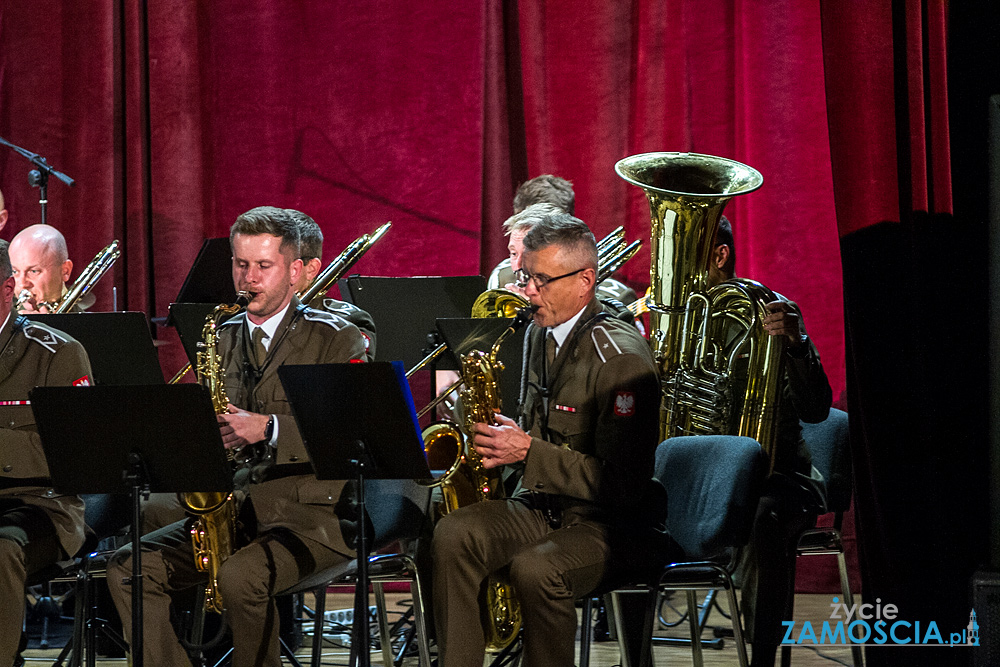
(829, 444)
(713, 486)
(106, 517)
(399, 510)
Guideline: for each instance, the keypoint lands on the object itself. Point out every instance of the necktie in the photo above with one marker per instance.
(259, 351)
(550, 349)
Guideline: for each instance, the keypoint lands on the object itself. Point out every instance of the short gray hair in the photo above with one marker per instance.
(565, 231)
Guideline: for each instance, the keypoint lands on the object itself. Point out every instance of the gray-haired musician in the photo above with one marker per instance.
(41, 265)
(590, 424)
(38, 527)
(302, 524)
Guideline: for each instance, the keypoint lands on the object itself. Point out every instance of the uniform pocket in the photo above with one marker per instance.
(568, 428)
(17, 417)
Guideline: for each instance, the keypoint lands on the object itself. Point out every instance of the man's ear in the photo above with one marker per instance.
(3, 218)
(295, 270)
(720, 255)
(67, 270)
(588, 278)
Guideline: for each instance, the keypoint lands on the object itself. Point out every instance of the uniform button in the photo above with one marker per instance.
(8, 468)
(330, 497)
(50, 493)
(12, 423)
(539, 485)
(293, 458)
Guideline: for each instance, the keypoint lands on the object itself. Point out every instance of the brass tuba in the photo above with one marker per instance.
(213, 534)
(702, 336)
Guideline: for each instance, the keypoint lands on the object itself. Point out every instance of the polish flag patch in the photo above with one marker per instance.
(82, 382)
(625, 404)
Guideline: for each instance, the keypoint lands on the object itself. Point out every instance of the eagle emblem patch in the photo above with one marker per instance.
(82, 382)
(625, 404)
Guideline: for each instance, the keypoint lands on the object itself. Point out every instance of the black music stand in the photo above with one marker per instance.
(357, 421)
(210, 278)
(465, 334)
(118, 345)
(139, 450)
(405, 309)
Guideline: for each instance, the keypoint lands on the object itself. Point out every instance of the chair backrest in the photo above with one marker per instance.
(829, 444)
(398, 508)
(713, 485)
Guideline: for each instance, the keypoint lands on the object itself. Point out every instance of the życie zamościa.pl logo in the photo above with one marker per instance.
(875, 625)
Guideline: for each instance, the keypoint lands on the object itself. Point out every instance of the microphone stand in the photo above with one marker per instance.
(39, 176)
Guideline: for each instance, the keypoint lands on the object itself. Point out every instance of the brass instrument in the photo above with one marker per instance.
(466, 481)
(89, 277)
(326, 279)
(701, 336)
(336, 269)
(612, 253)
(213, 534)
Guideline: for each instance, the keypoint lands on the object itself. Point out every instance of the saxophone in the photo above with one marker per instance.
(467, 481)
(703, 338)
(213, 534)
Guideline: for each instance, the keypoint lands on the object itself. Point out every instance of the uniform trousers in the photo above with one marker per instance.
(549, 568)
(248, 580)
(28, 543)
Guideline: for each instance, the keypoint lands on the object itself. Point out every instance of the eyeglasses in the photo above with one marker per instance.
(540, 280)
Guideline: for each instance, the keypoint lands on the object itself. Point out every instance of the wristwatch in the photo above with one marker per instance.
(269, 429)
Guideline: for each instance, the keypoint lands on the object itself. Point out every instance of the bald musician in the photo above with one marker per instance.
(41, 266)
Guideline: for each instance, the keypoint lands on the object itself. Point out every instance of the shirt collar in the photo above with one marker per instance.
(270, 325)
(561, 331)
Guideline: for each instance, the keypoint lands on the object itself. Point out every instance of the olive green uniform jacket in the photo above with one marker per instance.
(356, 316)
(595, 448)
(289, 495)
(33, 354)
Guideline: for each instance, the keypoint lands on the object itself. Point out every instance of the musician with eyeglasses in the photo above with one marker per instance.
(42, 267)
(553, 191)
(38, 526)
(585, 438)
(296, 524)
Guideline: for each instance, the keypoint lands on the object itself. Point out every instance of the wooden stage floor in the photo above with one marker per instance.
(604, 654)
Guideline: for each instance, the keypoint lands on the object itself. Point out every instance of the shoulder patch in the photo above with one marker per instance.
(44, 336)
(335, 321)
(603, 342)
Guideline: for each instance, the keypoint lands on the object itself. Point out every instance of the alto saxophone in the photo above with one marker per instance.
(213, 534)
(467, 481)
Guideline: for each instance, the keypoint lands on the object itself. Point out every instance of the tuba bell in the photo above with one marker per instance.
(705, 340)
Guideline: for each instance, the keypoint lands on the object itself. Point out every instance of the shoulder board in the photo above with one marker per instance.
(235, 319)
(44, 336)
(335, 321)
(338, 307)
(604, 343)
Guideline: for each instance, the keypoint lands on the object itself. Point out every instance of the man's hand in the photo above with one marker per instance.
(784, 320)
(501, 444)
(516, 289)
(240, 428)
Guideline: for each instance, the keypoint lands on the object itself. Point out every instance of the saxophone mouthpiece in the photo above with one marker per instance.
(523, 316)
(243, 298)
